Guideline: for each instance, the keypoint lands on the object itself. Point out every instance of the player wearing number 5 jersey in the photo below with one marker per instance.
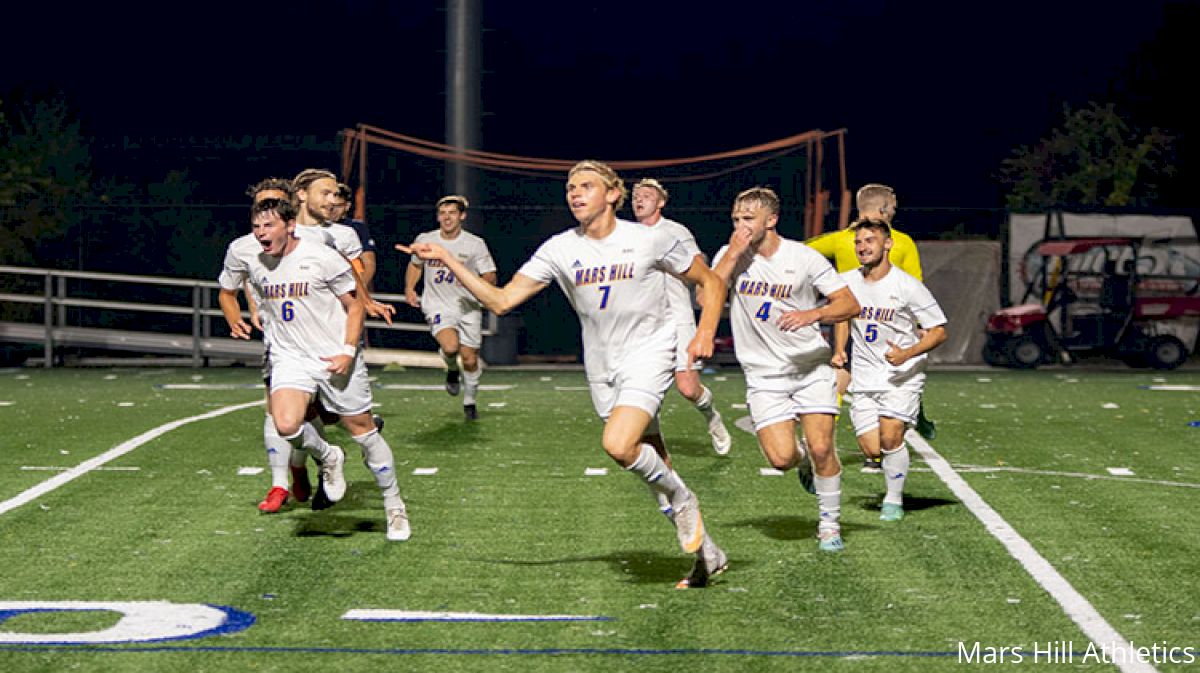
(899, 323)
(779, 292)
(454, 315)
(614, 274)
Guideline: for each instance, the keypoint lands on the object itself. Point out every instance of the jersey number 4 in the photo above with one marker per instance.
(764, 312)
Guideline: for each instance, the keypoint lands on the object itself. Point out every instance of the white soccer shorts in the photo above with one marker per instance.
(789, 397)
(901, 404)
(345, 395)
(468, 323)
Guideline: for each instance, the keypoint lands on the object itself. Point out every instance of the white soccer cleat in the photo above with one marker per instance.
(398, 528)
(332, 477)
(721, 441)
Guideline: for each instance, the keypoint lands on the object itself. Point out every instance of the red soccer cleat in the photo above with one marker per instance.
(274, 500)
(301, 487)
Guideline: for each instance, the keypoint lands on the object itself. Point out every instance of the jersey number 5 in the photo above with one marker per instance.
(871, 333)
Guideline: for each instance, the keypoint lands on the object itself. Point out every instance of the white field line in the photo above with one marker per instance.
(116, 452)
(424, 616)
(1074, 475)
(1090, 621)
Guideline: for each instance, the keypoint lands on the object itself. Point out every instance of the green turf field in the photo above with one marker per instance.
(511, 525)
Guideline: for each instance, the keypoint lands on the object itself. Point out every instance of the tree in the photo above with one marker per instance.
(45, 171)
(1094, 160)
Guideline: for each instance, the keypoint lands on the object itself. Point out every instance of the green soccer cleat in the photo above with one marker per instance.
(891, 512)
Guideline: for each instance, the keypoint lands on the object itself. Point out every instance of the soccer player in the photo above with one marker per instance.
(898, 324)
(875, 202)
(314, 323)
(341, 215)
(614, 274)
(316, 191)
(280, 455)
(774, 311)
(454, 315)
(649, 199)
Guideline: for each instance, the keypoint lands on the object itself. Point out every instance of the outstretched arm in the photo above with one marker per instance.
(498, 300)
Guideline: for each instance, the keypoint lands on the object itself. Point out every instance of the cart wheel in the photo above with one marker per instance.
(1165, 352)
(994, 357)
(1025, 352)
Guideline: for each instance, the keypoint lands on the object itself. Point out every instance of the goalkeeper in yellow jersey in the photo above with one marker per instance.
(874, 202)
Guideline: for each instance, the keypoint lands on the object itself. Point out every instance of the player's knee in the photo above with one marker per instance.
(619, 449)
(288, 425)
(689, 388)
(470, 360)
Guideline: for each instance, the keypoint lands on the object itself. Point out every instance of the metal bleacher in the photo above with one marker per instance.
(66, 308)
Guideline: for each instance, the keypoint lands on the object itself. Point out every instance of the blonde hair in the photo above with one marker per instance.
(655, 185)
(456, 199)
(876, 198)
(763, 197)
(607, 175)
(308, 176)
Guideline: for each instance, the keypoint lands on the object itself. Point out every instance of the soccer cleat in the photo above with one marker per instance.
(470, 412)
(891, 512)
(872, 465)
(398, 528)
(721, 441)
(704, 569)
(333, 480)
(319, 500)
(452, 385)
(378, 421)
(830, 540)
(804, 471)
(301, 487)
(925, 427)
(274, 500)
(689, 526)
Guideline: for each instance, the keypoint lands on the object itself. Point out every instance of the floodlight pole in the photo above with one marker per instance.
(464, 40)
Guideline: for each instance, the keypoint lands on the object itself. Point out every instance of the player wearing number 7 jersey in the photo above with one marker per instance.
(775, 306)
(614, 274)
(888, 366)
(454, 315)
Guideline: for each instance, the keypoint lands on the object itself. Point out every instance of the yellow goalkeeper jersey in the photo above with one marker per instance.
(839, 246)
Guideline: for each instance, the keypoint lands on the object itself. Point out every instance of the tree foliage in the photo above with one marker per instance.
(1094, 160)
(45, 172)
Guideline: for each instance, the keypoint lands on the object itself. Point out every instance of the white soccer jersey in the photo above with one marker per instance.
(893, 308)
(238, 255)
(298, 297)
(793, 279)
(442, 292)
(617, 287)
(340, 237)
(679, 296)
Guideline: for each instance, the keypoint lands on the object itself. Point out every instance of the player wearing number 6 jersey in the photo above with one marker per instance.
(777, 289)
(614, 275)
(314, 321)
(888, 366)
(454, 316)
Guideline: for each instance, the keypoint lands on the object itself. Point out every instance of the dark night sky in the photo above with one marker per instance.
(934, 94)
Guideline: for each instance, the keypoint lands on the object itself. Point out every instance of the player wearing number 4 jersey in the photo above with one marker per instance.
(888, 360)
(454, 315)
(776, 304)
(614, 274)
(314, 322)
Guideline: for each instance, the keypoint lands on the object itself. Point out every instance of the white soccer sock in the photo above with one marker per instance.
(471, 385)
(278, 451)
(308, 440)
(377, 456)
(829, 501)
(704, 404)
(450, 360)
(895, 472)
(660, 478)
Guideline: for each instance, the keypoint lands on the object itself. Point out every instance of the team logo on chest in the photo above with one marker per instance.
(605, 273)
(762, 288)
